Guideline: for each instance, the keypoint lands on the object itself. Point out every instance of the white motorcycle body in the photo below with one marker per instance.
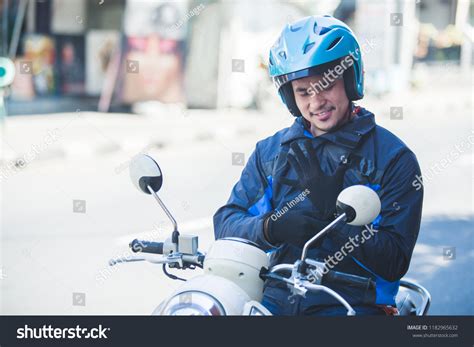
(230, 285)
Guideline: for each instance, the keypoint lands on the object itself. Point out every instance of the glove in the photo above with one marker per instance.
(323, 189)
(293, 227)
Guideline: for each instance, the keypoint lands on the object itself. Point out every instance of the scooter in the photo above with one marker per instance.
(235, 269)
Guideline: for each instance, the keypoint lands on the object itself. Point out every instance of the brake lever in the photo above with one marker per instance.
(132, 258)
(297, 287)
(317, 270)
(152, 258)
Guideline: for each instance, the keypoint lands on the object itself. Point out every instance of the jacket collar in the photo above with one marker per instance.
(348, 135)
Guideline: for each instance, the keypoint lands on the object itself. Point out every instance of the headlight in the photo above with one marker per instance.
(193, 303)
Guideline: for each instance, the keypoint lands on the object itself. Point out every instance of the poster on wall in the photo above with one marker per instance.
(153, 70)
(153, 59)
(70, 64)
(100, 46)
(40, 57)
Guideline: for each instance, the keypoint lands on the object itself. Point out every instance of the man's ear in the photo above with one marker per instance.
(292, 86)
(287, 94)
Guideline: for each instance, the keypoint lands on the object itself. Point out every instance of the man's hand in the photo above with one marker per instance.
(293, 227)
(323, 189)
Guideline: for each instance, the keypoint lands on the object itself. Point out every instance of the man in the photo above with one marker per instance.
(288, 189)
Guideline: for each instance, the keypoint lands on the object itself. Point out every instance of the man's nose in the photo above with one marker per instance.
(316, 102)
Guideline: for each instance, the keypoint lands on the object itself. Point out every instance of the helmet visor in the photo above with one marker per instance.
(312, 71)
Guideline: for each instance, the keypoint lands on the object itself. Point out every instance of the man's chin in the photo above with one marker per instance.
(326, 128)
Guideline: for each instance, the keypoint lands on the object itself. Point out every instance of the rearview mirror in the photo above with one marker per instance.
(145, 172)
(360, 203)
(356, 205)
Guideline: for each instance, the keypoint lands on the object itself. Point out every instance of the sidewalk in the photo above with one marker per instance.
(67, 135)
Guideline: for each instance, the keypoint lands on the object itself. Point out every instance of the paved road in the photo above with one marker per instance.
(443, 261)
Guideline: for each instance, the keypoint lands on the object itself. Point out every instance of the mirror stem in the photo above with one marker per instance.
(339, 219)
(175, 225)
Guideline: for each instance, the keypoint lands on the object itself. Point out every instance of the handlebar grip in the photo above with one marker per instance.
(352, 280)
(146, 246)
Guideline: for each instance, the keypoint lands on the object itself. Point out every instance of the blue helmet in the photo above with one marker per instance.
(312, 46)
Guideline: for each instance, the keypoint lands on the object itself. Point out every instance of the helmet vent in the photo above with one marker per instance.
(295, 28)
(324, 31)
(320, 30)
(282, 54)
(308, 47)
(333, 43)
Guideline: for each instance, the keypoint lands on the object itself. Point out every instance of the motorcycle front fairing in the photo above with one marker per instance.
(209, 295)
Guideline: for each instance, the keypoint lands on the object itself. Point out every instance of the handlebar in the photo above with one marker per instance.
(300, 284)
(153, 252)
(146, 246)
(332, 276)
(155, 259)
(350, 280)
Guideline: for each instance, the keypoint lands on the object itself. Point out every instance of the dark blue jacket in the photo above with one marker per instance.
(388, 166)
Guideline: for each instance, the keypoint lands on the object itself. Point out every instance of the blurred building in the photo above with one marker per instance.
(105, 55)
(99, 54)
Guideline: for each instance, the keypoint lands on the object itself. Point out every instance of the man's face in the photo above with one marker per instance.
(324, 108)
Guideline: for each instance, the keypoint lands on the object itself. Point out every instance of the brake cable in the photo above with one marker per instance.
(173, 277)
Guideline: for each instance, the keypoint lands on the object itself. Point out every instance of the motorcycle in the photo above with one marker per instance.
(235, 269)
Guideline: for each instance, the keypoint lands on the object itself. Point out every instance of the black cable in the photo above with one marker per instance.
(173, 277)
(273, 276)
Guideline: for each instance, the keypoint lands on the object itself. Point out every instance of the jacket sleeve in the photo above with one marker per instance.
(387, 252)
(248, 205)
